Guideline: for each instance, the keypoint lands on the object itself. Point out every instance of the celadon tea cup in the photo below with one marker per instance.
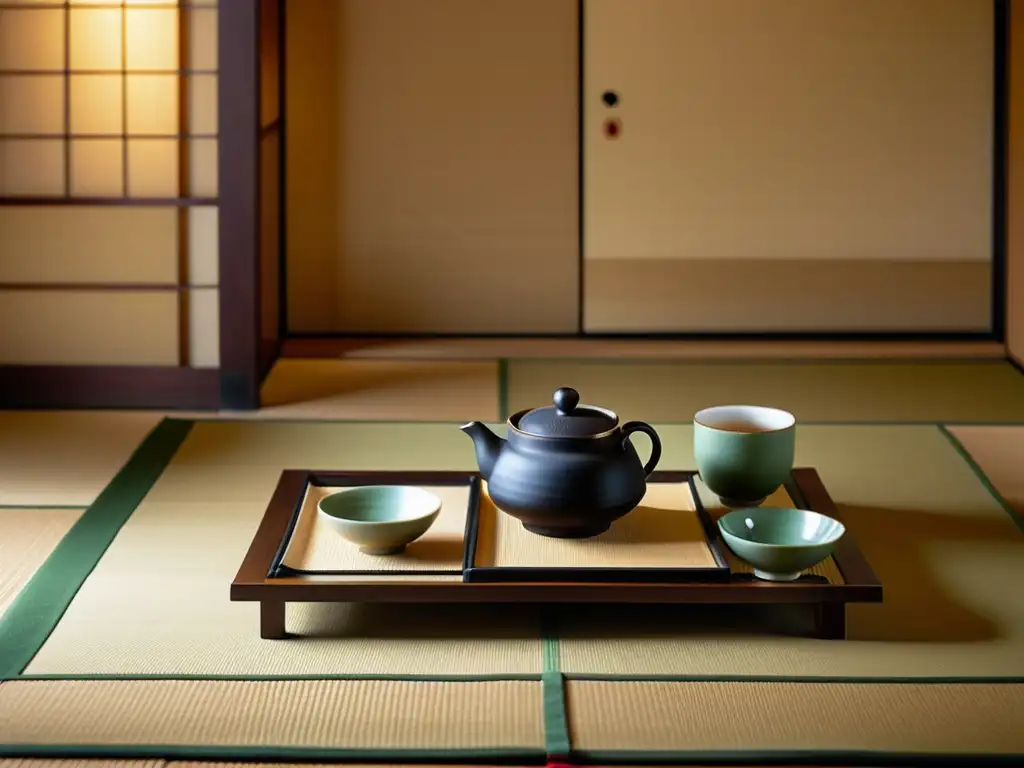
(380, 519)
(744, 452)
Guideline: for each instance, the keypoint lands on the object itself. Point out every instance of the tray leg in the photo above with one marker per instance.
(830, 621)
(272, 620)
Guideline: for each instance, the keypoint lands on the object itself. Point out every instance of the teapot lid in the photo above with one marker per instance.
(566, 418)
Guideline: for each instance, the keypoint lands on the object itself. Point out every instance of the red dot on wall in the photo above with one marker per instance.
(612, 128)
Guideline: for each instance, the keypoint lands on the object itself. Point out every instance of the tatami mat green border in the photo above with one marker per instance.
(405, 678)
(277, 754)
(798, 757)
(584, 677)
(846, 680)
(34, 614)
(982, 477)
(557, 740)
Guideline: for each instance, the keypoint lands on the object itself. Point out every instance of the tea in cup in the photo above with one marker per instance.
(744, 452)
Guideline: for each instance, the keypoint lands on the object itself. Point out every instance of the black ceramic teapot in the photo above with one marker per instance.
(566, 470)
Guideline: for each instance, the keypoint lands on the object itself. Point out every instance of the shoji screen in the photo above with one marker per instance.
(108, 162)
(789, 165)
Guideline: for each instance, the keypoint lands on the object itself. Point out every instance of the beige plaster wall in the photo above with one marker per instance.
(432, 165)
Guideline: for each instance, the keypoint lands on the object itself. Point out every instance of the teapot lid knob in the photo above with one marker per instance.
(566, 399)
(567, 418)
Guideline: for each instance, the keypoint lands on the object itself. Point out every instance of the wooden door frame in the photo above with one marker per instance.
(238, 108)
(247, 30)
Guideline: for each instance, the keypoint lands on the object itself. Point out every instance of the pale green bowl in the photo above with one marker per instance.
(780, 543)
(380, 519)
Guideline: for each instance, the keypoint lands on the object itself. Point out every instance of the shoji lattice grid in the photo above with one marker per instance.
(108, 132)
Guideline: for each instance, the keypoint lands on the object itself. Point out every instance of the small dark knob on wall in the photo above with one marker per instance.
(610, 98)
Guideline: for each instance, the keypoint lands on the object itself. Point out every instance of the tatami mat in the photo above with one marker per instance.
(979, 391)
(371, 390)
(157, 602)
(215, 446)
(999, 451)
(350, 714)
(27, 537)
(65, 459)
(766, 717)
(943, 548)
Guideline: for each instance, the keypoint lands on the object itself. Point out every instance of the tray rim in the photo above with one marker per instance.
(251, 583)
(356, 478)
(719, 573)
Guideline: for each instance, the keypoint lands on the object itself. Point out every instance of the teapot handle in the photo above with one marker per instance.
(638, 426)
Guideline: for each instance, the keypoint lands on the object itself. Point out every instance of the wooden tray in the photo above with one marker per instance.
(669, 538)
(456, 563)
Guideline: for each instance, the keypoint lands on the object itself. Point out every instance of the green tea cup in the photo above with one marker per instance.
(744, 452)
(380, 519)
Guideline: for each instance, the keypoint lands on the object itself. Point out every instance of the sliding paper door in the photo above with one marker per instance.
(432, 166)
(788, 165)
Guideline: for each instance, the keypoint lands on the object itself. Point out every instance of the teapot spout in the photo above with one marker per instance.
(487, 444)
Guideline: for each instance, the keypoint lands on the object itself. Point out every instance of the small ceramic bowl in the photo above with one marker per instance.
(380, 519)
(780, 543)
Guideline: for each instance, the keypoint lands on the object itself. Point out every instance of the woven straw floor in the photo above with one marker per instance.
(123, 647)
